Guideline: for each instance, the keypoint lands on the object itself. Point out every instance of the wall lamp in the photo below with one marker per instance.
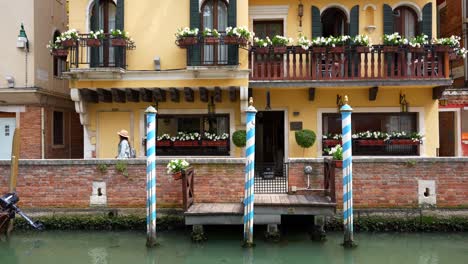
(300, 12)
(403, 103)
(22, 41)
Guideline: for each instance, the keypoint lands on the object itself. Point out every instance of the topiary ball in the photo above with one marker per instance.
(305, 138)
(239, 138)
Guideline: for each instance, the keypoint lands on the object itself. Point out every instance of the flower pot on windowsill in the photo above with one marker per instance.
(280, 49)
(454, 56)
(362, 49)
(217, 143)
(262, 50)
(69, 43)
(233, 40)
(177, 175)
(188, 143)
(93, 42)
(118, 42)
(163, 143)
(404, 142)
(338, 163)
(416, 49)
(390, 49)
(330, 142)
(442, 48)
(370, 142)
(338, 49)
(60, 53)
(187, 41)
(300, 50)
(319, 49)
(211, 40)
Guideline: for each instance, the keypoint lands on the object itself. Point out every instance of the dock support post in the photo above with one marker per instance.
(347, 174)
(249, 175)
(318, 230)
(272, 233)
(198, 233)
(151, 177)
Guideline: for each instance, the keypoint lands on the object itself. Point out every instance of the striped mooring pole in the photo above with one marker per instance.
(151, 177)
(249, 195)
(347, 174)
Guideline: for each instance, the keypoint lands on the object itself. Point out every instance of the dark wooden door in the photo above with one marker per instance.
(269, 29)
(446, 134)
(269, 141)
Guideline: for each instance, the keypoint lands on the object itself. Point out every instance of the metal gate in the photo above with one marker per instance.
(271, 178)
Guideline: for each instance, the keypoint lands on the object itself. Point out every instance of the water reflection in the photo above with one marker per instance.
(248, 256)
(98, 255)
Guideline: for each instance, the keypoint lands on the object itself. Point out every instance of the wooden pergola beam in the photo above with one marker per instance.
(175, 96)
(104, 95)
(203, 94)
(132, 95)
(90, 96)
(311, 94)
(159, 95)
(146, 95)
(118, 95)
(438, 91)
(373, 93)
(218, 96)
(189, 94)
(232, 94)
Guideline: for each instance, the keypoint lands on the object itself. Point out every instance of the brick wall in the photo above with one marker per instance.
(30, 125)
(394, 182)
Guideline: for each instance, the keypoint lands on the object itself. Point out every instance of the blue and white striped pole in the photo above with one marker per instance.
(151, 176)
(347, 173)
(249, 175)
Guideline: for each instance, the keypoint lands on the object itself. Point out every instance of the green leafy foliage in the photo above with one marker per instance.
(305, 138)
(239, 138)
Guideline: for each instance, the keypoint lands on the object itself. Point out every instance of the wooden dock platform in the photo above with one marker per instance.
(268, 209)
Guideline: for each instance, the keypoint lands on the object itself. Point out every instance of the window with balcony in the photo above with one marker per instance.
(215, 16)
(59, 63)
(103, 18)
(334, 23)
(405, 21)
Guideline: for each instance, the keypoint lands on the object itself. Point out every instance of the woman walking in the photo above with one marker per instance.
(123, 151)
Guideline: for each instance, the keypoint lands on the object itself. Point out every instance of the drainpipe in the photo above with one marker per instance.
(42, 134)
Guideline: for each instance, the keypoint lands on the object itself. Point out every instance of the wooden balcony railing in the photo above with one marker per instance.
(106, 55)
(349, 63)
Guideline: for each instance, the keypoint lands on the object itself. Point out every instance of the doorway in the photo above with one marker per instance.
(446, 134)
(270, 171)
(334, 23)
(7, 130)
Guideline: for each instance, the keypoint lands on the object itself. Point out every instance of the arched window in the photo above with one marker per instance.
(59, 62)
(405, 21)
(215, 16)
(334, 22)
(105, 20)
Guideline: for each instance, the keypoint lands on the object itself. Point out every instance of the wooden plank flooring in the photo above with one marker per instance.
(292, 200)
(215, 209)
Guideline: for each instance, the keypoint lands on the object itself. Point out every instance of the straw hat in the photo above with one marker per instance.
(123, 133)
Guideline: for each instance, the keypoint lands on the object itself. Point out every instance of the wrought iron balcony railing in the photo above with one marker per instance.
(205, 52)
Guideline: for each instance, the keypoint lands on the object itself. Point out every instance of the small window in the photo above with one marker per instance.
(58, 130)
(59, 62)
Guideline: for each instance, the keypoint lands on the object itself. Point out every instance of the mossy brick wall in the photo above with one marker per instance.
(68, 183)
(393, 182)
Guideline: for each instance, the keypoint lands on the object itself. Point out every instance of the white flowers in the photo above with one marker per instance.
(262, 42)
(281, 41)
(361, 40)
(186, 32)
(393, 39)
(177, 165)
(240, 32)
(453, 41)
(418, 41)
(117, 33)
(304, 42)
(215, 137)
(195, 136)
(210, 33)
(97, 35)
(69, 34)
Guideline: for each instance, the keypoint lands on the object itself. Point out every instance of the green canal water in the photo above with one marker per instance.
(224, 247)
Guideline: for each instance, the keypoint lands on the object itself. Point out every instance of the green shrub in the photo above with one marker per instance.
(239, 138)
(305, 138)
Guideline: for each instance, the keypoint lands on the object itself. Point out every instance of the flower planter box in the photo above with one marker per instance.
(300, 50)
(404, 142)
(454, 56)
(371, 142)
(93, 42)
(60, 53)
(211, 40)
(163, 143)
(416, 50)
(337, 49)
(231, 40)
(177, 175)
(338, 163)
(188, 143)
(69, 43)
(390, 49)
(319, 49)
(362, 49)
(118, 42)
(262, 50)
(331, 142)
(211, 143)
(280, 49)
(442, 48)
(187, 41)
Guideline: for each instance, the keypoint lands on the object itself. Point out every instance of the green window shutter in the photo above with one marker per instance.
(233, 51)
(194, 52)
(119, 17)
(95, 26)
(354, 21)
(316, 22)
(427, 20)
(388, 25)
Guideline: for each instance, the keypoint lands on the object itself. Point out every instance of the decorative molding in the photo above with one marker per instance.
(13, 109)
(413, 5)
(339, 6)
(88, 12)
(374, 7)
(200, 3)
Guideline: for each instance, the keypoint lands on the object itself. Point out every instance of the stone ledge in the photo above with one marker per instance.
(384, 159)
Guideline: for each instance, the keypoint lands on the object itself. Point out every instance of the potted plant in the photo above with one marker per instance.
(304, 44)
(280, 44)
(391, 42)
(237, 36)
(362, 43)
(337, 154)
(370, 138)
(319, 44)
(163, 141)
(404, 138)
(239, 138)
(119, 38)
(214, 140)
(95, 38)
(446, 44)
(416, 44)
(175, 167)
(210, 36)
(261, 46)
(337, 43)
(329, 140)
(69, 38)
(183, 139)
(56, 49)
(186, 37)
(305, 138)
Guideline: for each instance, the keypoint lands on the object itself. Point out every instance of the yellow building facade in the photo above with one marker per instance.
(206, 88)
